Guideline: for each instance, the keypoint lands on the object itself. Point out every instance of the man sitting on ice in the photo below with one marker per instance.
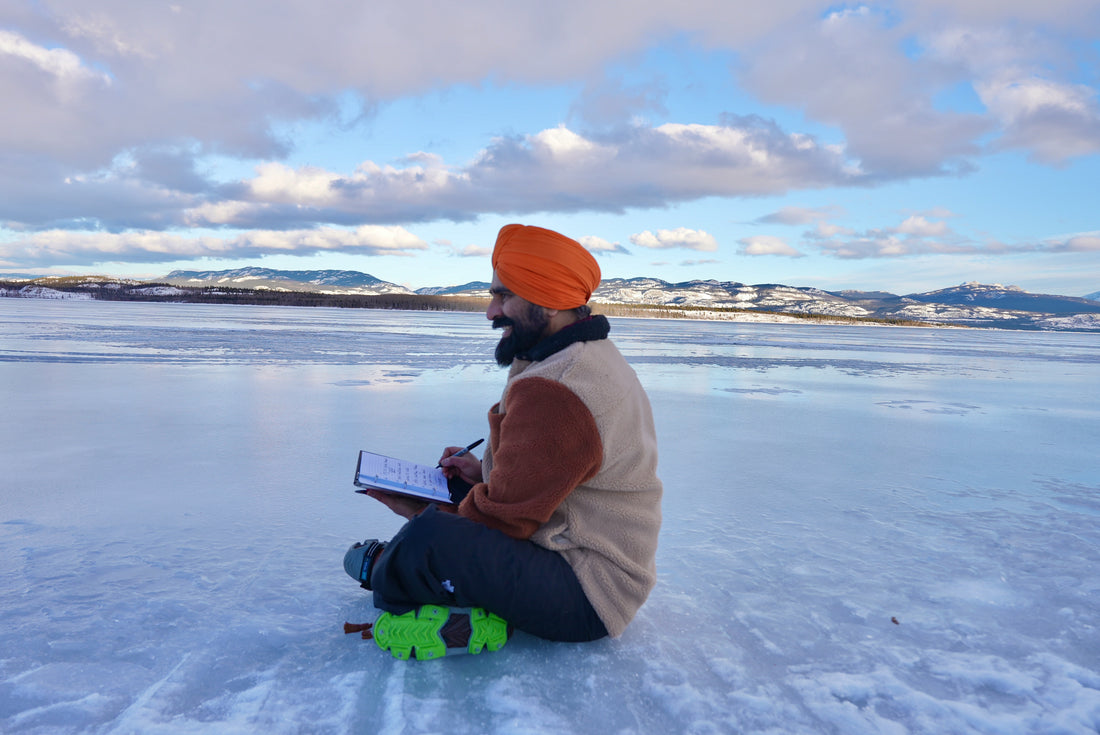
(554, 531)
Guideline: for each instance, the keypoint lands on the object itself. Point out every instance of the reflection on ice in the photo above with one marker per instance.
(177, 498)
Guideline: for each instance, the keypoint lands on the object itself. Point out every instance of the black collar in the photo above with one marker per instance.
(591, 329)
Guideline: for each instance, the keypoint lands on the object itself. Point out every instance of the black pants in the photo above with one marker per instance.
(440, 558)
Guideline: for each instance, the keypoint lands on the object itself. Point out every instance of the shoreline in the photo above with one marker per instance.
(243, 297)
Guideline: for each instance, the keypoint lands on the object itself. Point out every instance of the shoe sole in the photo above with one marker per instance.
(417, 633)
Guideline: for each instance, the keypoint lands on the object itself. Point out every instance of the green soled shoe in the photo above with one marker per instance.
(434, 631)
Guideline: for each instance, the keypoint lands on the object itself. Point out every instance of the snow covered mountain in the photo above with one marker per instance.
(969, 304)
(473, 288)
(730, 295)
(328, 281)
(972, 303)
(1002, 297)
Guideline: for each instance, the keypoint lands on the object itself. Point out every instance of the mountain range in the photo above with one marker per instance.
(971, 304)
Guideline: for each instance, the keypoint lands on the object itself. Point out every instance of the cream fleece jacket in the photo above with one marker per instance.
(572, 465)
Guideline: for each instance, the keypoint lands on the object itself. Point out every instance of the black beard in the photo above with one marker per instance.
(527, 332)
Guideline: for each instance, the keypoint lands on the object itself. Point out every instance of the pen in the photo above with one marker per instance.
(460, 452)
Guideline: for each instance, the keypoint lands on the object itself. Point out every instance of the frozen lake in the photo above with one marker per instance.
(176, 500)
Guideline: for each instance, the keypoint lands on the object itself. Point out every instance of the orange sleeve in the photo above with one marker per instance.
(544, 446)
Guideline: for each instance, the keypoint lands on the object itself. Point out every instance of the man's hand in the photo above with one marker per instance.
(402, 505)
(467, 467)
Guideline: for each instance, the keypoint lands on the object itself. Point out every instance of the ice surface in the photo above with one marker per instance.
(176, 494)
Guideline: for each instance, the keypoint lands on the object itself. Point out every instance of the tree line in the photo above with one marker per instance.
(113, 290)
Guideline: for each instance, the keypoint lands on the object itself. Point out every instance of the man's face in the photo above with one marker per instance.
(524, 323)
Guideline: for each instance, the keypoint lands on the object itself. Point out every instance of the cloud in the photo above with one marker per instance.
(1052, 119)
(608, 102)
(851, 70)
(108, 36)
(468, 251)
(475, 251)
(599, 246)
(680, 238)
(223, 75)
(158, 188)
(875, 244)
(219, 74)
(86, 248)
(767, 245)
(920, 227)
(120, 120)
(918, 235)
(825, 230)
(915, 235)
(1086, 242)
(937, 213)
(560, 170)
(799, 215)
(553, 170)
(1066, 15)
(60, 64)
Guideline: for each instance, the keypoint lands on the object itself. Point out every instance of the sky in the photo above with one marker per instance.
(898, 146)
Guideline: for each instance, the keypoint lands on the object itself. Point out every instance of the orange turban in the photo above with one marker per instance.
(544, 267)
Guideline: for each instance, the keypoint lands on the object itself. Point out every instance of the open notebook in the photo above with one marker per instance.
(399, 476)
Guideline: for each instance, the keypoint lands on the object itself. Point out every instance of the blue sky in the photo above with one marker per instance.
(898, 146)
